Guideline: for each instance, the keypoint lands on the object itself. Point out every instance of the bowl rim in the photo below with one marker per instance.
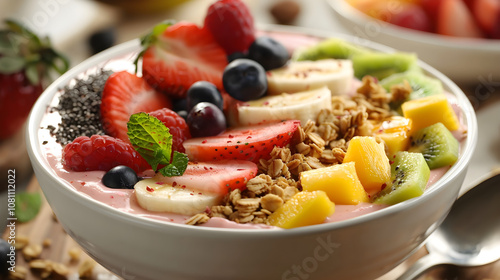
(34, 146)
(350, 13)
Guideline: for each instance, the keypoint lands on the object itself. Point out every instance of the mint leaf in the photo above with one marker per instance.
(27, 206)
(177, 167)
(153, 141)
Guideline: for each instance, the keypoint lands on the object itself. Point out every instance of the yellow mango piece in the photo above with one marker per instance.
(372, 164)
(303, 209)
(429, 110)
(395, 132)
(340, 182)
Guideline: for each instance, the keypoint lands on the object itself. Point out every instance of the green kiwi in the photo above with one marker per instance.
(409, 175)
(330, 48)
(383, 65)
(438, 146)
(421, 84)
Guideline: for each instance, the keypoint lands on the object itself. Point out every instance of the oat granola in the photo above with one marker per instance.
(319, 143)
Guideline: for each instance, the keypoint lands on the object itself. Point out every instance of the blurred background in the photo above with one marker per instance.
(72, 23)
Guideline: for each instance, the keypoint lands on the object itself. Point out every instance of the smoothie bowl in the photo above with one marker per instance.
(280, 219)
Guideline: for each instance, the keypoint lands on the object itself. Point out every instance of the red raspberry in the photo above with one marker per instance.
(231, 24)
(177, 126)
(101, 152)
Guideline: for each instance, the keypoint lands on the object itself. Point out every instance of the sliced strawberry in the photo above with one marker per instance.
(431, 7)
(180, 56)
(455, 19)
(412, 16)
(487, 14)
(215, 177)
(246, 143)
(125, 94)
(232, 25)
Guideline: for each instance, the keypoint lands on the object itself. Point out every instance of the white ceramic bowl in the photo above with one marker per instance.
(138, 248)
(465, 61)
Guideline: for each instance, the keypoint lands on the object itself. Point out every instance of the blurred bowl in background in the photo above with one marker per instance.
(143, 6)
(467, 61)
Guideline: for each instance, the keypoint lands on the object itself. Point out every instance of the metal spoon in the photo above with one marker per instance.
(470, 234)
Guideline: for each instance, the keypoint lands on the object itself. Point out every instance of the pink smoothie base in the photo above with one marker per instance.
(89, 183)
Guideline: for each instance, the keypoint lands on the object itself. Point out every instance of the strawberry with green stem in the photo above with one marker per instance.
(175, 56)
(26, 63)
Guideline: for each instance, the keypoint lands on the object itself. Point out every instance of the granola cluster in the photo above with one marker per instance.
(319, 143)
(43, 268)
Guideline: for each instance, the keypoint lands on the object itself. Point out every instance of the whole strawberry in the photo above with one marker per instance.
(25, 63)
(231, 24)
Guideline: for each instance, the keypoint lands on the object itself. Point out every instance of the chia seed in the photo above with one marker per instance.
(79, 107)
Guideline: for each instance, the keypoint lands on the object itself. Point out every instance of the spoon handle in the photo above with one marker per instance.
(421, 266)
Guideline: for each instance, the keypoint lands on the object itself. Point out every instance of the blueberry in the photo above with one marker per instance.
(183, 114)
(235, 56)
(120, 177)
(245, 79)
(179, 104)
(206, 119)
(270, 53)
(102, 39)
(4, 258)
(203, 91)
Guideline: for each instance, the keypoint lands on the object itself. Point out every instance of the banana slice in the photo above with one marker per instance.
(297, 76)
(157, 196)
(301, 106)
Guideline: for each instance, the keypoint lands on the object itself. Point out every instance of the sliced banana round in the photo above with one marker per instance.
(157, 196)
(297, 76)
(301, 106)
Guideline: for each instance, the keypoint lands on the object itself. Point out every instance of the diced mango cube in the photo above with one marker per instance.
(427, 111)
(303, 209)
(372, 164)
(340, 182)
(395, 132)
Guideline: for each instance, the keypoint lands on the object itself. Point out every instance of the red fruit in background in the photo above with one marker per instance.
(176, 56)
(101, 152)
(125, 94)
(495, 33)
(414, 17)
(487, 15)
(245, 143)
(455, 19)
(231, 24)
(431, 7)
(17, 96)
(177, 127)
(26, 61)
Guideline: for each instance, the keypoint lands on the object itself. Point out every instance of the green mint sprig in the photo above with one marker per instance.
(153, 141)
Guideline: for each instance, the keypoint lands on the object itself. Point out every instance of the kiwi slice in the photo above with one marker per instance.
(330, 48)
(438, 146)
(421, 84)
(409, 175)
(383, 65)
